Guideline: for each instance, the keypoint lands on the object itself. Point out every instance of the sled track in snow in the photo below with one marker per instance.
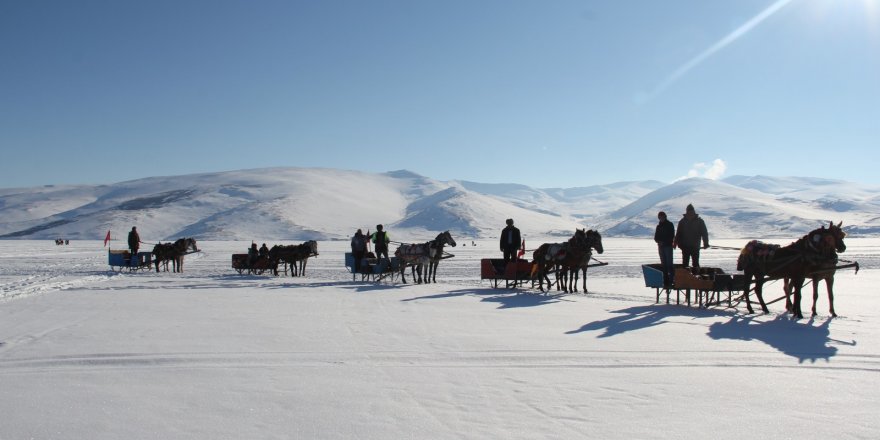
(538, 359)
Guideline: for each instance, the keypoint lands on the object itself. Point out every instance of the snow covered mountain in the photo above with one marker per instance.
(311, 203)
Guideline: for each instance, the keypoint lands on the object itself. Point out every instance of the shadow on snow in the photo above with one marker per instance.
(804, 341)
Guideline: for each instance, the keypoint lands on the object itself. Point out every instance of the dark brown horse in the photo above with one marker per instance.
(558, 257)
(295, 255)
(795, 262)
(173, 252)
(591, 240)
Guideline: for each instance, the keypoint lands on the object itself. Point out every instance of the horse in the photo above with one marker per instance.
(436, 253)
(174, 252)
(823, 273)
(795, 262)
(558, 256)
(295, 255)
(417, 257)
(423, 258)
(591, 240)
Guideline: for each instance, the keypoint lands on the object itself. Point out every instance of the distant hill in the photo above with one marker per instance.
(315, 203)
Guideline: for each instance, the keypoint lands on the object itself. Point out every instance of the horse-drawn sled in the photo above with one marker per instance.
(567, 261)
(372, 268)
(121, 260)
(709, 284)
(813, 258)
(162, 254)
(422, 258)
(294, 256)
(513, 273)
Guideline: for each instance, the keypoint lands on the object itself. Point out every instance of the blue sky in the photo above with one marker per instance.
(545, 93)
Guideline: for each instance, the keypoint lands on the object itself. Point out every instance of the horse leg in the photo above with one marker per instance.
(815, 283)
(799, 282)
(829, 283)
(759, 292)
(748, 289)
(585, 280)
(786, 288)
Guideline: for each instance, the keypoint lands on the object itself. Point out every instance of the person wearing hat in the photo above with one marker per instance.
(380, 241)
(134, 242)
(664, 235)
(691, 230)
(510, 241)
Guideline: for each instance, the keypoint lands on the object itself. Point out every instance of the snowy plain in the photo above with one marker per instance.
(211, 354)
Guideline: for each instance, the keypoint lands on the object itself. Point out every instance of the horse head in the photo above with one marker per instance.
(594, 238)
(827, 241)
(313, 247)
(191, 245)
(838, 234)
(445, 238)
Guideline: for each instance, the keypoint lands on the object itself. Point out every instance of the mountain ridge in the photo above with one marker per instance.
(327, 204)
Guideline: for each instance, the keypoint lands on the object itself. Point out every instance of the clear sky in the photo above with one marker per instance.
(545, 93)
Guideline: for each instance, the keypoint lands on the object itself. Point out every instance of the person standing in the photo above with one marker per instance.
(380, 241)
(358, 249)
(510, 241)
(253, 254)
(691, 230)
(664, 235)
(134, 241)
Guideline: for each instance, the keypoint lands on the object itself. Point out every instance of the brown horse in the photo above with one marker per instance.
(795, 262)
(173, 252)
(559, 257)
(591, 240)
(294, 255)
(820, 273)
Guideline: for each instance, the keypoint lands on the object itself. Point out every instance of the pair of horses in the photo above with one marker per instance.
(173, 252)
(813, 257)
(423, 258)
(566, 259)
(294, 255)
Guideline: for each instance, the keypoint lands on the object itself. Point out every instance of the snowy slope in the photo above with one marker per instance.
(316, 203)
(731, 211)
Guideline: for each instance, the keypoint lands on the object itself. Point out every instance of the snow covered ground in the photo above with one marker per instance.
(87, 353)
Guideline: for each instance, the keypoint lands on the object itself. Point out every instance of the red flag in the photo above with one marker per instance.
(107, 238)
(522, 250)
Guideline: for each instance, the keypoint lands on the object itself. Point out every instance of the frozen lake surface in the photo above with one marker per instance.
(209, 353)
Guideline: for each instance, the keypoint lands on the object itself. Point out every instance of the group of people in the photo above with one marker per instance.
(691, 232)
(359, 242)
(255, 254)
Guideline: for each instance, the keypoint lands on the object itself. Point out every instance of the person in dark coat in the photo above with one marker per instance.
(358, 249)
(691, 230)
(264, 251)
(380, 241)
(510, 241)
(253, 254)
(134, 240)
(664, 235)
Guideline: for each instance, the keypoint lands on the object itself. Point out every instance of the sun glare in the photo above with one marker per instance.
(868, 10)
